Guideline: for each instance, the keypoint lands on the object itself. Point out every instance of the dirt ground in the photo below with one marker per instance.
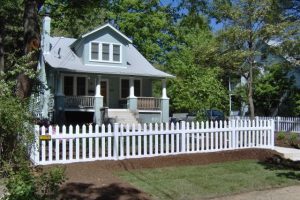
(95, 180)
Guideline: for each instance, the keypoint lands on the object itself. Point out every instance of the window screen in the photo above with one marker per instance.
(105, 51)
(95, 51)
(116, 53)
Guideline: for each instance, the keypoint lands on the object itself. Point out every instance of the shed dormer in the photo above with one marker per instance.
(103, 46)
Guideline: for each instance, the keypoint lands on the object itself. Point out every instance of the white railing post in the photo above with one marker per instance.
(116, 141)
(183, 137)
(35, 148)
(233, 134)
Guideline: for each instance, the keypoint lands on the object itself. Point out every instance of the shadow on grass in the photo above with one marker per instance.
(278, 163)
(80, 191)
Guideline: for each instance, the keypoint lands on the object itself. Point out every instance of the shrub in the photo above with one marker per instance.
(293, 139)
(281, 136)
(34, 184)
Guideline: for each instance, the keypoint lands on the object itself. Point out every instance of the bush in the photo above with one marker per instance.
(34, 184)
(281, 136)
(293, 139)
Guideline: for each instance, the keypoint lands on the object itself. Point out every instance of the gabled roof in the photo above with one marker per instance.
(99, 29)
(63, 58)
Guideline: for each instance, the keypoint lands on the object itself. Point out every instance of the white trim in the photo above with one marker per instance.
(95, 65)
(100, 45)
(110, 26)
(149, 111)
(120, 86)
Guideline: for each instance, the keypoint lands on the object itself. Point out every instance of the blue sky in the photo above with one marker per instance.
(215, 26)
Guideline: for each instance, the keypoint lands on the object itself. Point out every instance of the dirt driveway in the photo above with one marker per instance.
(96, 180)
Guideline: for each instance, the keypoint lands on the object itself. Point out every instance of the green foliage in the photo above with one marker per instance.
(26, 183)
(281, 136)
(293, 138)
(250, 25)
(198, 85)
(275, 87)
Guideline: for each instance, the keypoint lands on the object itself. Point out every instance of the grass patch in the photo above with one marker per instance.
(198, 182)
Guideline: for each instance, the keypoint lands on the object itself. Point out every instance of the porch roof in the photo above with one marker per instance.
(63, 58)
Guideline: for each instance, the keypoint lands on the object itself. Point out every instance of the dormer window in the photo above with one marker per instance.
(105, 52)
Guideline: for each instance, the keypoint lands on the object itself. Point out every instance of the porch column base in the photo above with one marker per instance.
(98, 104)
(60, 109)
(132, 104)
(164, 106)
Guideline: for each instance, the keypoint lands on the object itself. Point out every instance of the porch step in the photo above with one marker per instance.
(122, 116)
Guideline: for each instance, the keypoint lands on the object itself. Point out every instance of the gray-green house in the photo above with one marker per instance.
(100, 69)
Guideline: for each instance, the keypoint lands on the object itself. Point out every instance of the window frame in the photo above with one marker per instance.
(100, 45)
(141, 87)
(75, 83)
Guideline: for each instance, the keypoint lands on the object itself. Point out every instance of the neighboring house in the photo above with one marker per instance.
(100, 69)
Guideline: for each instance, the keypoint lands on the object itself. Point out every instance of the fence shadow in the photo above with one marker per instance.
(80, 191)
(278, 163)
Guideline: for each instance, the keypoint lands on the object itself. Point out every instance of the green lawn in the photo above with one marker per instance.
(198, 182)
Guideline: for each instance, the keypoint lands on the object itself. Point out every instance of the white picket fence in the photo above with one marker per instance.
(77, 144)
(285, 124)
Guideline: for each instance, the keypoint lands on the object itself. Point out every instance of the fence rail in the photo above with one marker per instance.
(81, 144)
(285, 124)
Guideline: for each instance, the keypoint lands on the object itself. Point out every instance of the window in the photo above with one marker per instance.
(105, 52)
(116, 53)
(75, 85)
(125, 88)
(68, 85)
(81, 86)
(94, 51)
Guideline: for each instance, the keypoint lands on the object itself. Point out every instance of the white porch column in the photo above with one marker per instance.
(98, 103)
(164, 89)
(132, 99)
(164, 102)
(131, 87)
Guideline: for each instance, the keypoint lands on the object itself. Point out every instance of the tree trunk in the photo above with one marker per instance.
(250, 91)
(31, 43)
(1, 45)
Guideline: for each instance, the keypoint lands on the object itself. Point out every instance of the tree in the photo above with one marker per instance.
(31, 43)
(198, 84)
(250, 26)
(76, 17)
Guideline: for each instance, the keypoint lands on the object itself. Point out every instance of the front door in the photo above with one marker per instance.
(104, 92)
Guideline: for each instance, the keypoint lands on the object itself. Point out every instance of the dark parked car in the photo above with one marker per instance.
(214, 115)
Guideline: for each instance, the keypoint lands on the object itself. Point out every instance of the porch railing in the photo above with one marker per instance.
(79, 101)
(148, 103)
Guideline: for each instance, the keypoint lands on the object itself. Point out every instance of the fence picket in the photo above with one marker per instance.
(145, 141)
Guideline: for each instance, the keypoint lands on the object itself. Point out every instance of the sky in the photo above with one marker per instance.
(215, 26)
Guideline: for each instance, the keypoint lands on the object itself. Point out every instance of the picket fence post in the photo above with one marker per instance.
(116, 141)
(183, 136)
(278, 124)
(233, 134)
(272, 133)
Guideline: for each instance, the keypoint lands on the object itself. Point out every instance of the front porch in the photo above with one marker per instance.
(87, 103)
(90, 93)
